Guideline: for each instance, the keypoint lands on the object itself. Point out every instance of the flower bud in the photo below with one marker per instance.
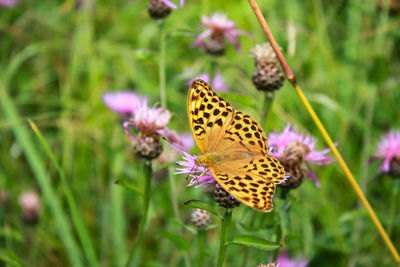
(148, 146)
(30, 203)
(200, 218)
(158, 10)
(224, 199)
(267, 75)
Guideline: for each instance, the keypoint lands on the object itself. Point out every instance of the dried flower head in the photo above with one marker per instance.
(295, 150)
(200, 218)
(267, 75)
(30, 203)
(218, 29)
(389, 151)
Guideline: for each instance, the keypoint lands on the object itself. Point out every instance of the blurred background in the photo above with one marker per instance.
(62, 206)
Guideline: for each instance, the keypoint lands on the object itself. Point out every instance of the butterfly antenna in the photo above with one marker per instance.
(174, 145)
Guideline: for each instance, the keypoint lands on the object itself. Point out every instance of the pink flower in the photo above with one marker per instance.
(8, 3)
(30, 204)
(388, 150)
(152, 120)
(218, 83)
(279, 142)
(218, 26)
(126, 103)
(199, 175)
(284, 261)
(172, 5)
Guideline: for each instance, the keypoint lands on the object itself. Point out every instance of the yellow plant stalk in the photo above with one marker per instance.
(324, 133)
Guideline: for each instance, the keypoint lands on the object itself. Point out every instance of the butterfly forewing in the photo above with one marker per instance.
(209, 115)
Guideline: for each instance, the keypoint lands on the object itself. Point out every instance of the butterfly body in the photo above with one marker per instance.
(234, 148)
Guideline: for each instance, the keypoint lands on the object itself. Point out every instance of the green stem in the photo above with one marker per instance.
(161, 66)
(393, 204)
(246, 257)
(174, 201)
(201, 237)
(268, 99)
(224, 236)
(212, 71)
(148, 173)
(117, 203)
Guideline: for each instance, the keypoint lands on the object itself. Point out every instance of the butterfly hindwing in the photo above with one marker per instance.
(249, 188)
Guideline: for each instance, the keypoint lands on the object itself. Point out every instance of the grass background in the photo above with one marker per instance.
(58, 59)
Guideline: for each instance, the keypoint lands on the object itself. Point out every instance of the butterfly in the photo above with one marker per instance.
(233, 147)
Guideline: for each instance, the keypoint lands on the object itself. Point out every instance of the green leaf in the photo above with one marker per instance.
(143, 54)
(202, 205)
(179, 223)
(254, 242)
(10, 258)
(122, 182)
(178, 241)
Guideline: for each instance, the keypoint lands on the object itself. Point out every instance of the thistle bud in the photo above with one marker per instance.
(148, 146)
(158, 9)
(292, 159)
(201, 218)
(267, 75)
(30, 203)
(224, 199)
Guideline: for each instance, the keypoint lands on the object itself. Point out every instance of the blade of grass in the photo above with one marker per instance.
(118, 221)
(80, 226)
(34, 160)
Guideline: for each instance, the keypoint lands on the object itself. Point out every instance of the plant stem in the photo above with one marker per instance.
(393, 205)
(176, 211)
(224, 236)
(268, 99)
(161, 66)
(148, 173)
(201, 236)
(212, 71)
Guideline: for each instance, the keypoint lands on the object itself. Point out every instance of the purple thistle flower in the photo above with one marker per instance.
(218, 83)
(280, 142)
(124, 102)
(388, 150)
(172, 5)
(218, 27)
(8, 3)
(152, 120)
(284, 261)
(190, 168)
